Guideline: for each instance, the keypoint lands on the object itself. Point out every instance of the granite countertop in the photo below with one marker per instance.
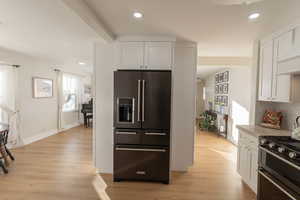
(257, 131)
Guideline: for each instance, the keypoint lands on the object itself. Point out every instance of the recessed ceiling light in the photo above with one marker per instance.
(137, 15)
(81, 63)
(253, 16)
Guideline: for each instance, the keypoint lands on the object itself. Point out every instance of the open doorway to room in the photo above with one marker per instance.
(224, 98)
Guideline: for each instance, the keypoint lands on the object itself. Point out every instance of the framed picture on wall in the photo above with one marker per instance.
(42, 87)
(225, 88)
(221, 89)
(217, 89)
(221, 78)
(226, 76)
(217, 78)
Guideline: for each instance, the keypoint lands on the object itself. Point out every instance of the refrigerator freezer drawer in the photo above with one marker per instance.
(128, 137)
(141, 163)
(156, 138)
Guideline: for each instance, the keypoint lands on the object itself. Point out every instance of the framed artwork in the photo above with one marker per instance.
(217, 89)
(225, 88)
(221, 89)
(42, 87)
(221, 78)
(226, 76)
(217, 78)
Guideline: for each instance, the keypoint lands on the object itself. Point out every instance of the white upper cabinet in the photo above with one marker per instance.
(281, 83)
(145, 55)
(266, 71)
(296, 39)
(130, 55)
(274, 86)
(285, 45)
(158, 55)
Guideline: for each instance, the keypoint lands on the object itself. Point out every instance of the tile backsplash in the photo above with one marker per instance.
(289, 110)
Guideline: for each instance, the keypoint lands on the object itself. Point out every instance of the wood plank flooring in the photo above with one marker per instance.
(56, 168)
(60, 167)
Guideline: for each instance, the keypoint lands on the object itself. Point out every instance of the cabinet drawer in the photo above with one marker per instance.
(156, 138)
(135, 163)
(127, 137)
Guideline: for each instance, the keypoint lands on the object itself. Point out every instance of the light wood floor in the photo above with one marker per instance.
(60, 167)
(56, 168)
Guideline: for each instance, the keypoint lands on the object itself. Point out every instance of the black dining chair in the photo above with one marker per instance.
(4, 150)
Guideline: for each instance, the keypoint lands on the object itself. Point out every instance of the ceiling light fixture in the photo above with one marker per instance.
(253, 16)
(137, 15)
(81, 63)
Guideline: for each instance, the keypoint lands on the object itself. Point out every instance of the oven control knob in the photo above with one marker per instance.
(293, 155)
(281, 149)
(272, 145)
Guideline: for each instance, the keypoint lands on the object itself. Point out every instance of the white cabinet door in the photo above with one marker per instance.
(285, 45)
(266, 71)
(130, 55)
(281, 91)
(296, 40)
(244, 163)
(253, 168)
(158, 55)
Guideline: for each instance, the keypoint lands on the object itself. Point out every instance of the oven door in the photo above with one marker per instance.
(277, 176)
(271, 189)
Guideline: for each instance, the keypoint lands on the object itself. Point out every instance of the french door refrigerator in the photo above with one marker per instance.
(142, 110)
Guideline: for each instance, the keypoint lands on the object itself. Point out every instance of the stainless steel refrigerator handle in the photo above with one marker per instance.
(159, 134)
(136, 149)
(126, 133)
(133, 109)
(139, 100)
(275, 184)
(143, 108)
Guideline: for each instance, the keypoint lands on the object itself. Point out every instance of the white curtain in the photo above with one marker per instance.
(8, 107)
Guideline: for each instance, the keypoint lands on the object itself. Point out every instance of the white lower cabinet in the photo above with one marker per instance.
(247, 160)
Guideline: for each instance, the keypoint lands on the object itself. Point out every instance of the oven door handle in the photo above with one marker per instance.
(280, 158)
(278, 186)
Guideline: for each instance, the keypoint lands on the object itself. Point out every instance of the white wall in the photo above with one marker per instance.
(38, 117)
(183, 107)
(103, 129)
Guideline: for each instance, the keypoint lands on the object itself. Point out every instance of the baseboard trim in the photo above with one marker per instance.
(39, 136)
(49, 133)
(67, 127)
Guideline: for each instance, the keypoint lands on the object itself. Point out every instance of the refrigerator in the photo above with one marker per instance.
(142, 115)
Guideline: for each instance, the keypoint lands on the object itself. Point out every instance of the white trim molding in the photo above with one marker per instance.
(46, 134)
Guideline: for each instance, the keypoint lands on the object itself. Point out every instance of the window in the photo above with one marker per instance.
(70, 92)
(7, 92)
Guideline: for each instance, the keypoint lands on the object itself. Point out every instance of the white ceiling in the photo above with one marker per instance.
(49, 29)
(220, 30)
(46, 29)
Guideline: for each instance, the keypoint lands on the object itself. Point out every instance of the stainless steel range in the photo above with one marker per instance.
(279, 168)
